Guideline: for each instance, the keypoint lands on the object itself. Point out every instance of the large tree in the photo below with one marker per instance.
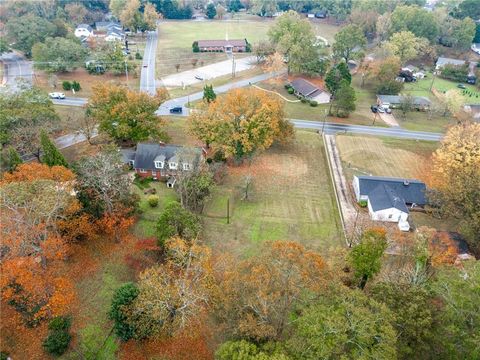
(335, 75)
(59, 54)
(177, 221)
(241, 122)
(420, 22)
(51, 156)
(295, 39)
(257, 295)
(455, 179)
(384, 73)
(349, 43)
(344, 99)
(405, 45)
(127, 115)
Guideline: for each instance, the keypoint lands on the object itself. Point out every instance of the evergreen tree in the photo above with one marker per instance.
(345, 99)
(211, 11)
(12, 159)
(51, 156)
(208, 93)
(335, 75)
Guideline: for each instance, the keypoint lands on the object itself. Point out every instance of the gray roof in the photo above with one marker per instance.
(128, 155)
(397, 99)
(306, 88)
(442, 61)
(392, 192)
(85, 26)
(147, 153)
(216, 43)
(100, 25)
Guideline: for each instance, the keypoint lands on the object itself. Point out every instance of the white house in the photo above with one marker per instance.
(83, 30)
(306, 89)
(389, 199)
(115, 35)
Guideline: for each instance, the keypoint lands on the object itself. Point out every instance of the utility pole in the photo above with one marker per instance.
(233, 65)
(228, 210)
(433, 79)
(324, 119)
(126, 71)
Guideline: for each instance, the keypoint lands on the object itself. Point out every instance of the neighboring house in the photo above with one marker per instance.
(115, 35)
(306, 89)
(389, 199)
(441, 62)
(83, 31)
(476, 48)
(473, 110)
(228, 46)
(104, 25)
(393, 101)
(161, 160)
(322, 14)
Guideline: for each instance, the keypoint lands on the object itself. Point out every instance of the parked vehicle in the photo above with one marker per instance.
(471, 79)
(374, 108)
(198, 77)
(380, 109)
(388, 110)
(56, 95)
(461, 86)
(176, 110)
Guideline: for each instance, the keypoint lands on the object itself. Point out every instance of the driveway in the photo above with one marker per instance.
(17, 70)
(388, 119)
(208, 72)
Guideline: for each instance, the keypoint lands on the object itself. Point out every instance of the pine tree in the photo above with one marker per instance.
(345, 99)
(208, 93)
(335, 75)
(12, 159)
(51, 156)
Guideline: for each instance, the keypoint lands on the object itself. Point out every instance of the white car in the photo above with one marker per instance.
(57, 95)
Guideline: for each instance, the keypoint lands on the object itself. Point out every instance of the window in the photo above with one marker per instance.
(142, 171)
(390, 216)
(186, 166)
(154, 174)
(172, 166)
(159, 164)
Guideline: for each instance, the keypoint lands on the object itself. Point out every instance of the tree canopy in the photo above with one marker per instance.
(349, 43)
(420, 22)
(59, 54)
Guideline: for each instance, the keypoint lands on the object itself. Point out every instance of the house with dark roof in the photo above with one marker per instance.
(228, 46)
(83, 31)
(393, 101)
(389, 199)
(442, 61)
(159, 160)
(306, 89)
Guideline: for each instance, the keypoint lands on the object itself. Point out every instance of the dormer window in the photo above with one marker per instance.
(186, 166)
(159, 164)
(172, 165)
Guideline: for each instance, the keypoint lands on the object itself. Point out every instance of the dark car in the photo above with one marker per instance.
(471, 79)
(374, 108)
(176, 110)
(461, 86)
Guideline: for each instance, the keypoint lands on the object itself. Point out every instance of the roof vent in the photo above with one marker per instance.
(406, 183)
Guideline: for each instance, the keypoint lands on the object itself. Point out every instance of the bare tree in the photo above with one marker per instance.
(194, 62)
(87, 126)
(406, 105)
(177, 67)
(247, 187)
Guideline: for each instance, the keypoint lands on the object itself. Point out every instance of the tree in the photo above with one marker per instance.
(241, 122)
(221, 11)
(51, 156)
(257, 295)
(76, 12)
(131, 16)
(455, 179)
(455, 32)
(59, 337)
(211, 11)
(345, 99)
(406, 105)
(102, 182)
(127, 115)
(123, 297)
(420, 22)
(346, 324)
(405, 45)
(365, 258)
(264, 7)
(234, 5)
(414, 317)
(177, 221)
(262, 50)
(349, 43)
(294, 38)
(453, 101)
(4, 47)
(58, 54)
(365, 20)
(117, 6)
(208, 93)
(384, 74)
(24, 31)
(171, 296)
(467, 8)
(335, 75)
(87, 126)
(274, 64)
(244, 350)
(150, 17)
(11, 159)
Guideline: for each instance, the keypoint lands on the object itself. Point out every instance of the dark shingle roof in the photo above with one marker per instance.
(146, 154)
(409, 190)
(304, 87)
(397, 99)
(215, 43)
(384, 197)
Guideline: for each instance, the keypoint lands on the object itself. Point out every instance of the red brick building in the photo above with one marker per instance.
(228, 46)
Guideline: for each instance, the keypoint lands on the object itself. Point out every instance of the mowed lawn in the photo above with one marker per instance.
(383, 156)
(292, 199)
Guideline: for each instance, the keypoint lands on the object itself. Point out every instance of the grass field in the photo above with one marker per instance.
(383, 156)
(292, 199)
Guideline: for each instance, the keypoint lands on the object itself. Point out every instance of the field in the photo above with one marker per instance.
(176, 37)
(292, 199)
(383, 156)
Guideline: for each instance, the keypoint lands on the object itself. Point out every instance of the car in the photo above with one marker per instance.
(388, 110)
(471, 79)
(198, 77)
(461, 86)
(374, 108)
(176, 110)
(146, 65)
(56, 95)
(380, 109)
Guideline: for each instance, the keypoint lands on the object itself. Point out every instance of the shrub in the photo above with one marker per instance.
(313, 103)
(195, 47)
(59, 338)
(454, 72)
(303, 100)
(123, 297)
(60, 323)
(138, 56)
(76, 85)
(177, 221)
(153, 200)
(287, 86)
(363, 203)
(290, 90)
(66, 85)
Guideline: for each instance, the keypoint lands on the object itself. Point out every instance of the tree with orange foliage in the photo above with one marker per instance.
(127, 115)
(242, 122)
(256, 296)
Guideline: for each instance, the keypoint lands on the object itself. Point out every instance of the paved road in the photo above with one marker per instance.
(147, 75)
(17, 70)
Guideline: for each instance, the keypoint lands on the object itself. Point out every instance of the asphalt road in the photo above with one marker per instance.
(147, 75)
(18, 71)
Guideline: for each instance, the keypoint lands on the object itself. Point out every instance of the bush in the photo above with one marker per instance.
(303, 100)
(313, 103)
(195, 47)
(76, 85)
(363, 203)
(123, 297)
(290, 90)
(66, 85)
(60, 323)
(138, 56)
(153, 200)
(59, 338)
(287, 86)
(177, 221)
(455, 73)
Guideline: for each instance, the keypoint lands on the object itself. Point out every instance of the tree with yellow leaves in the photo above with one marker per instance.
(455, 179)
(241, 122)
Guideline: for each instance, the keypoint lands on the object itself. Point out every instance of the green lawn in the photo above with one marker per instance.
(292, 199)
(422, 121)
